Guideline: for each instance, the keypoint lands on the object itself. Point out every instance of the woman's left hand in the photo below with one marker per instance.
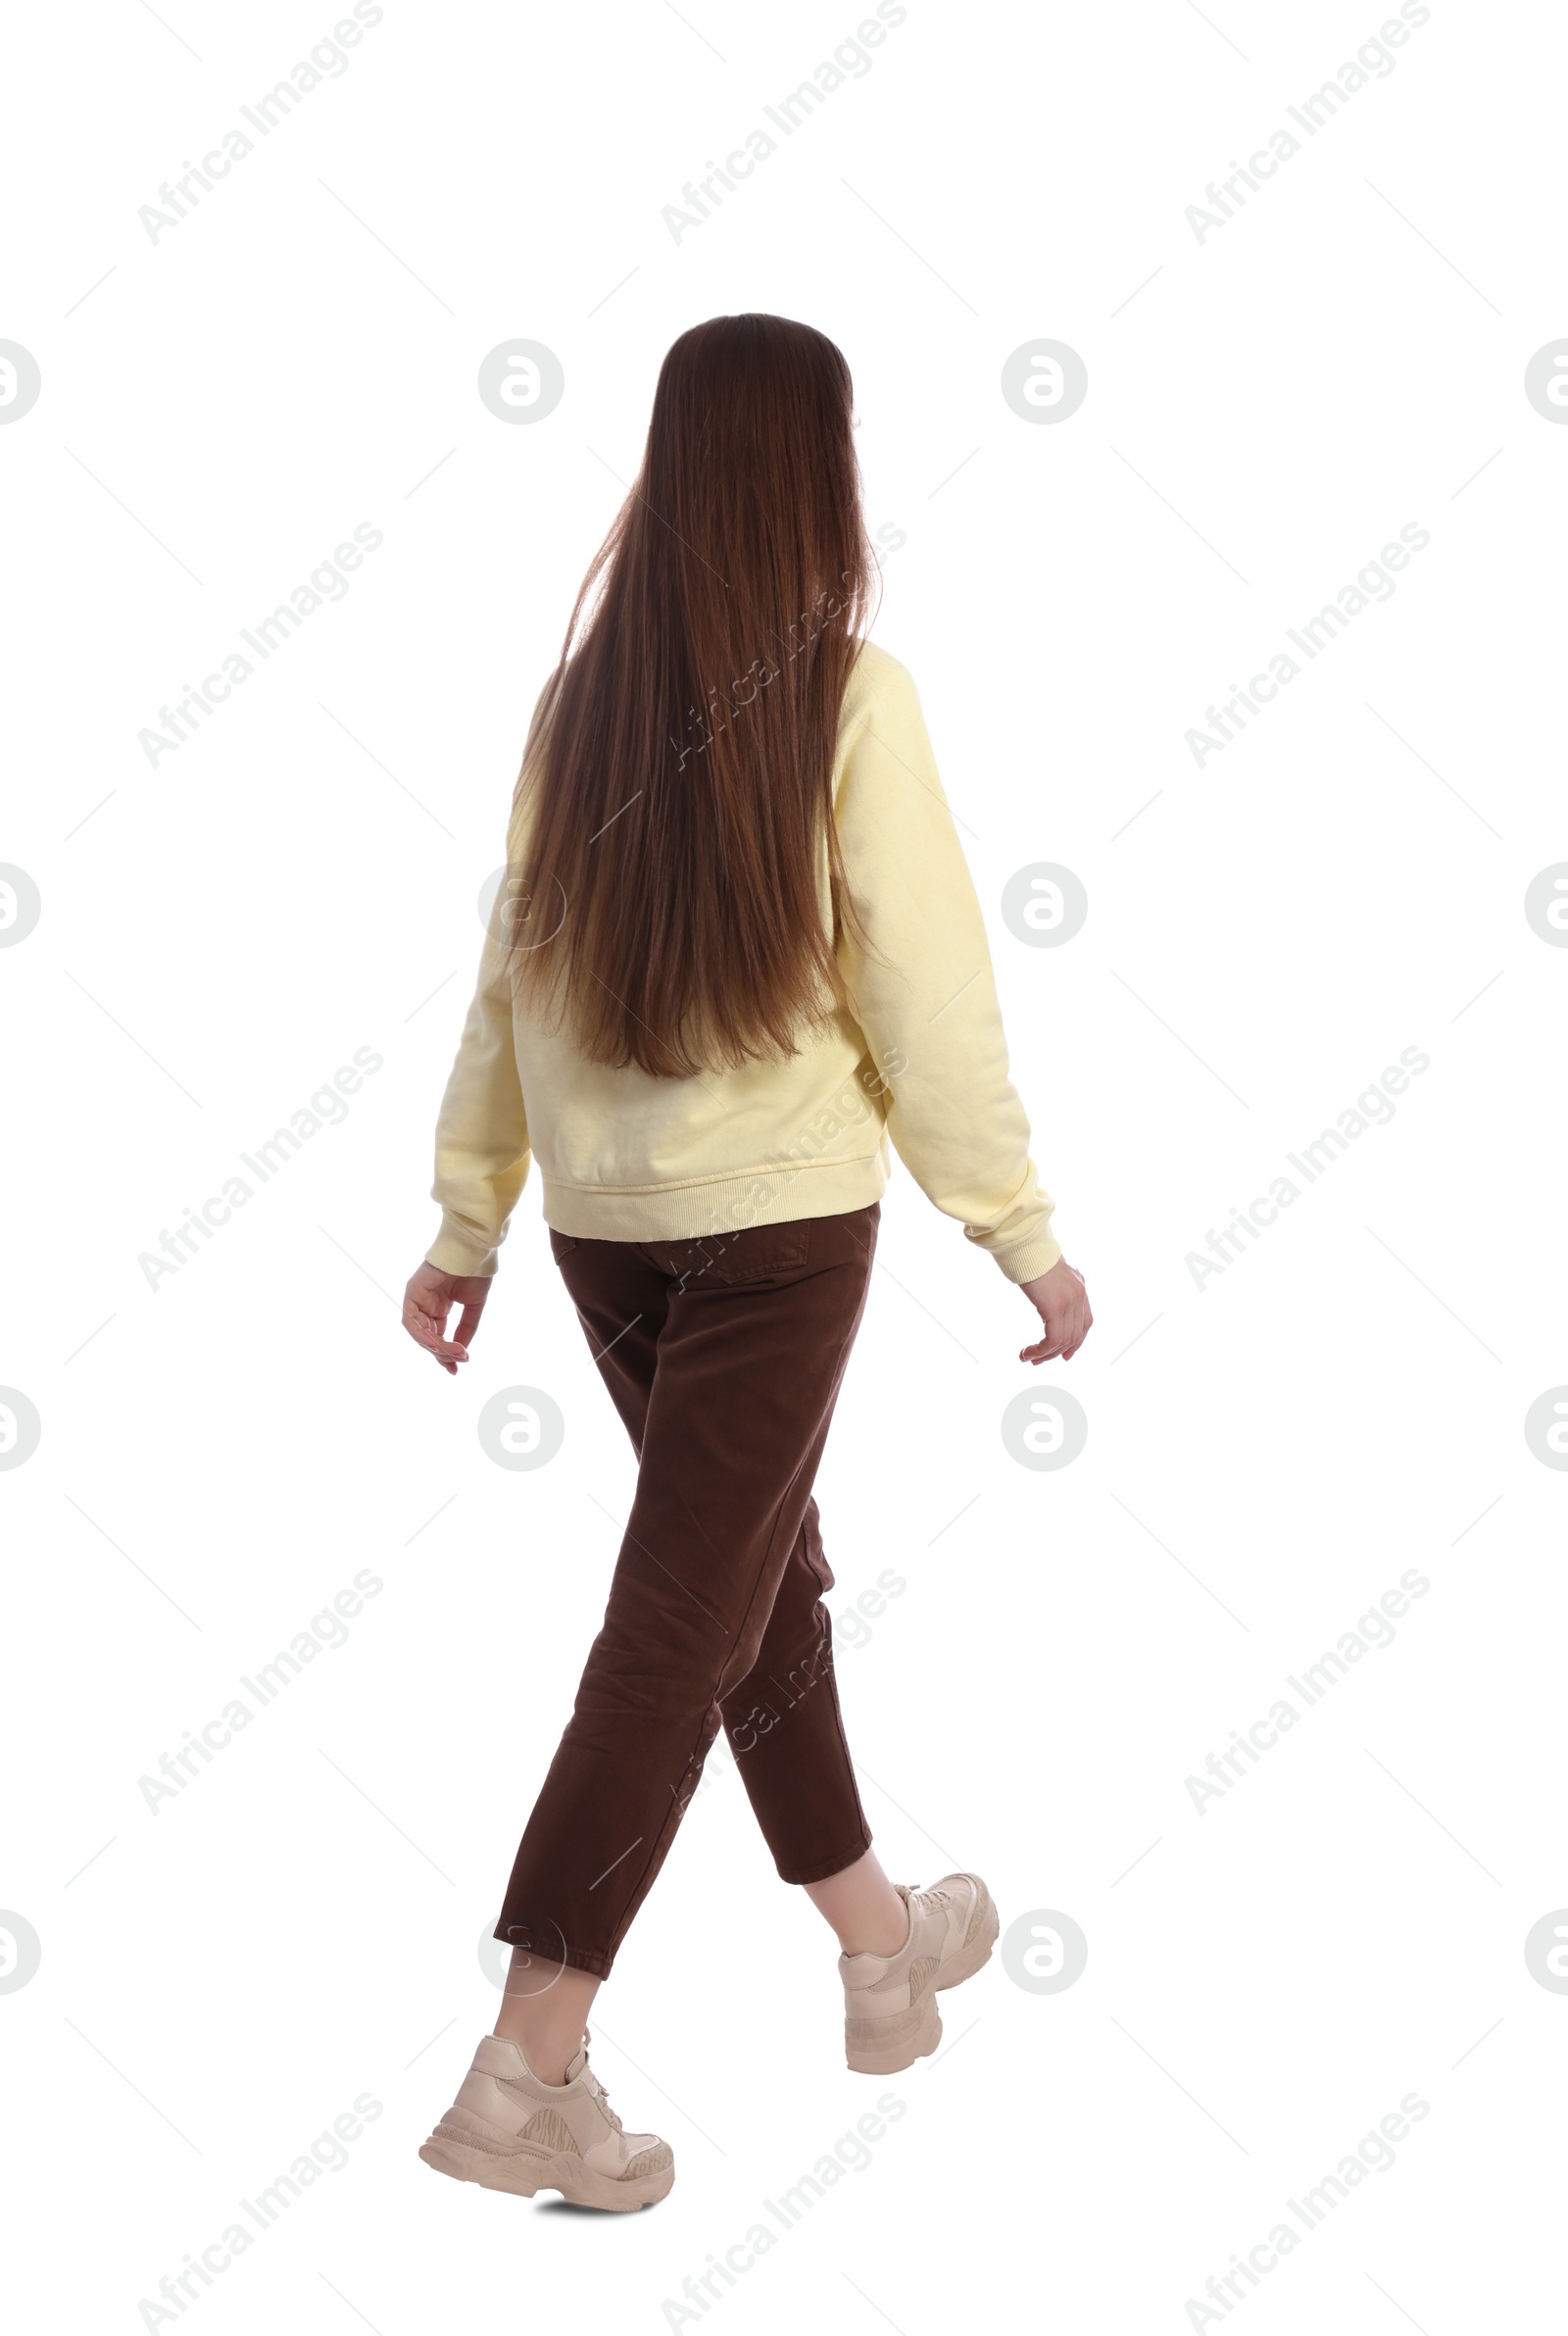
(428, 1301)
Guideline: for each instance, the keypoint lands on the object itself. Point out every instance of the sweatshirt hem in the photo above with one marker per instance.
(718, 1205)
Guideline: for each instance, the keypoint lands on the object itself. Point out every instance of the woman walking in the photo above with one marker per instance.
(738, 950)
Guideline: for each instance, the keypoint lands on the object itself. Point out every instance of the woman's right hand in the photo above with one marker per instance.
(1063, 1307)
(428, 1300)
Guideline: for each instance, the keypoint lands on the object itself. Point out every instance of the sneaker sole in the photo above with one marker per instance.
(905, 2037)
(521, 2175)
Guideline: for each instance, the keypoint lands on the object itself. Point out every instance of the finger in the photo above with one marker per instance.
(418, 1326)
(428, 1332)
(423, 1329)
(468, 1323)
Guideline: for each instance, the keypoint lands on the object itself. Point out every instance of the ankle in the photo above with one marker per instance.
(547, 2054)
(544, 2011)
(548, 2063)
(886, 1934)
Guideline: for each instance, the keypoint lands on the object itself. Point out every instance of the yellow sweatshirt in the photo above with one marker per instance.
(626, 1157)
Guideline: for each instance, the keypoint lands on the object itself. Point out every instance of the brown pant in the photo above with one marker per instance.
(724, 1357)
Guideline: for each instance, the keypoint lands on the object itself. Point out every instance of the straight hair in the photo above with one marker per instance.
(678, 772)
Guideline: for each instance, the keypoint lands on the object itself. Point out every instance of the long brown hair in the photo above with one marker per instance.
(678, 773)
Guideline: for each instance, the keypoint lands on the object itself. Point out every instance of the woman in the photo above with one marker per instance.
(740, 951)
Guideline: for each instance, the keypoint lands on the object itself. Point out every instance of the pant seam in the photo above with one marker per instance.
(844, 1741)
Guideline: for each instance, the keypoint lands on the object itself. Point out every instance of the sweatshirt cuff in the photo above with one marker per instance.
(1026, 1261)
(454, 1251)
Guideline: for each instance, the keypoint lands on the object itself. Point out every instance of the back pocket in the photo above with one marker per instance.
(752, 1254)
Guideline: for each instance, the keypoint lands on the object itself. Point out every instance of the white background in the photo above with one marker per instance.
(1266, 1456)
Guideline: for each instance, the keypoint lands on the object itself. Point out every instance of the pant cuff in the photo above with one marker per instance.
(825, 1866)
(591, 1960)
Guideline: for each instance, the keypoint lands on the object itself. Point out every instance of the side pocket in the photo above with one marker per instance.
(561, 1245)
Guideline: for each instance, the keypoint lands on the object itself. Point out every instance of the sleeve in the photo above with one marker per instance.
(482, 1152)
(924, 993)
(481, 1136)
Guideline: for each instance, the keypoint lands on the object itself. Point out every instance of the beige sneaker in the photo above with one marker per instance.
(889, 2001)
(510, 2131)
